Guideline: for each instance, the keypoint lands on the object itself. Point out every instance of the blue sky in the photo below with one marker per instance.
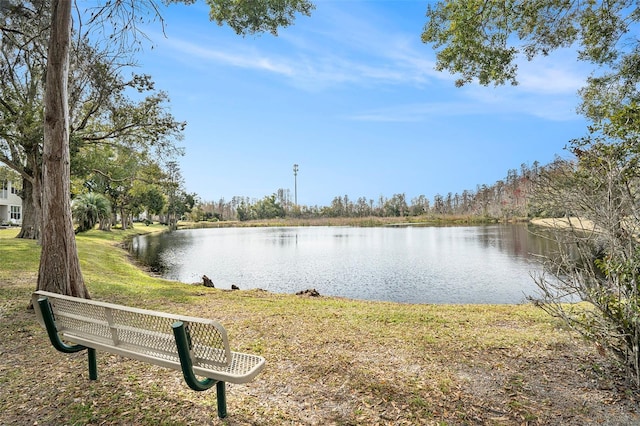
(349, 94)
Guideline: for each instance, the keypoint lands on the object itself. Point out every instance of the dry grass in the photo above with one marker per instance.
(425, 220)
(563, 223)
(329, 360)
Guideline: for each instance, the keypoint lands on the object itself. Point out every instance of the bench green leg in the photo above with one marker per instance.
(52, 332)
(184, 352)
(93, 364)
(221, 394)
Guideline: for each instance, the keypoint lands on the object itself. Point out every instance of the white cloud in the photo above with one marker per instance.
(559, 73)
(558, 105)
(331, 49)
(547, 89)
(477, 101)
(337, 49)
(416, 112)
(248, 58)
(316, 68)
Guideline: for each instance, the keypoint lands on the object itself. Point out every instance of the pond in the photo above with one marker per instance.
(473, 264)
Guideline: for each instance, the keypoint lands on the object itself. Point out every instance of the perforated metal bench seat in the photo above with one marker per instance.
(196, 346)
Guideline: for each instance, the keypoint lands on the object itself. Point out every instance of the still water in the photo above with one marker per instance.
(475, 264)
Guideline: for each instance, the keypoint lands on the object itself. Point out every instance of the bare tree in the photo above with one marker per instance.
(598, 257)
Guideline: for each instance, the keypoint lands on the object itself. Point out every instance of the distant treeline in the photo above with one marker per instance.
(507, 199)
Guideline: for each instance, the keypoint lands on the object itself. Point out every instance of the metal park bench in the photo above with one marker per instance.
(196, 346)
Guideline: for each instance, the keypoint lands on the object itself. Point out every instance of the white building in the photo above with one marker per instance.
(10, 204)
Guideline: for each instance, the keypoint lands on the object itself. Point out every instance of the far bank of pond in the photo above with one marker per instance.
(366, 221)
(453, 264)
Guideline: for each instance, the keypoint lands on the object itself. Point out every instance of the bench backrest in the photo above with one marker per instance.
(136, 331)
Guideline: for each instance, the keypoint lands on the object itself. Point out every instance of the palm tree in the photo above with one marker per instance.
(88, 209)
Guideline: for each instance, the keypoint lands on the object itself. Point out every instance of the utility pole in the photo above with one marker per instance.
(295, 182)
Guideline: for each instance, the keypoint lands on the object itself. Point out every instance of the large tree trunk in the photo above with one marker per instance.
(32, 194)
(123, 218)
(59, 263)
(30, 220)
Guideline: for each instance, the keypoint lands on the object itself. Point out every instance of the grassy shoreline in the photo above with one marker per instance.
(329, 360)
(368, 221)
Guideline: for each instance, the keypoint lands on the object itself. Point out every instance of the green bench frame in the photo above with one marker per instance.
(195, 346)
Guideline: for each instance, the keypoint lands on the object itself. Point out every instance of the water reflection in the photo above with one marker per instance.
(486, 264)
